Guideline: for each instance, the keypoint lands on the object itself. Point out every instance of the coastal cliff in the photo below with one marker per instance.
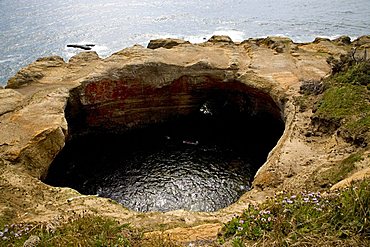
(49, 101)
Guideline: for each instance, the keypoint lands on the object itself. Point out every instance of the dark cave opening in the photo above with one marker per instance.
(203, 160)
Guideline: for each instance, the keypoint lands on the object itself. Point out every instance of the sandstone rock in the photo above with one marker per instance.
(279, 44)
(114, 92)
(34, 72)
(84, 57)
(267, 179)
(10, 100)
(363, 40)
(53, 61)
(166, 43)
(319, 39)
(269, 41)
(40, 128)
(220, 39)
(358, 176)
(24, 77)
(343, 40)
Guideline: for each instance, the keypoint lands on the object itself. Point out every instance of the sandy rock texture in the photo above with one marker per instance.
(138, 86)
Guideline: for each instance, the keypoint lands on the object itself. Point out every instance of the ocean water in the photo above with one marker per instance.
(30, 29)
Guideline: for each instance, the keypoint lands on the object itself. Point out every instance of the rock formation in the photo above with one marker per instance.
(50, 100)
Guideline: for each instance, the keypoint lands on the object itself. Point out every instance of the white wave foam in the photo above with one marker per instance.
(6, 60)
(99, 48)
(9, 58)
(198, 38)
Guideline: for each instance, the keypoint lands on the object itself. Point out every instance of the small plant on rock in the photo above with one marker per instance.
(301, 219)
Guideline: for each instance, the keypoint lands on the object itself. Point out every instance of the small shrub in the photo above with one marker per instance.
(251, 225)
(358, 74)
(311, 87)
(238, 242)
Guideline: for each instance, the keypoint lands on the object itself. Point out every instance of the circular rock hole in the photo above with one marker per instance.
(200, 159)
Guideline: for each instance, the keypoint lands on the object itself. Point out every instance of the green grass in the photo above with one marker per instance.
(77, 231)
(347, 101)
(358, 74)
(305, 219)
(85, 230)
(343, 101)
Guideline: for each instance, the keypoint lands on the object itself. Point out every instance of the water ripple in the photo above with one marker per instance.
(197, 178)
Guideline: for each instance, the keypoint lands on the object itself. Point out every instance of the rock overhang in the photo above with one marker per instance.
(151, 92)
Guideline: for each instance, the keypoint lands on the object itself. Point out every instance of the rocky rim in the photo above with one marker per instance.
(34, 127)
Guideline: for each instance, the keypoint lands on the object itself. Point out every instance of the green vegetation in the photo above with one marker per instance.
(342, 101)
(338, 172)
(346, 103)
(85, 230)
(305, 219)
(357, 74)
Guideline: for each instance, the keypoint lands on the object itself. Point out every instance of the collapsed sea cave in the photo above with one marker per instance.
(194, 144)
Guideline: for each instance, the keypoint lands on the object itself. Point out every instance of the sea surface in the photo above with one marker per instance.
(30, 29)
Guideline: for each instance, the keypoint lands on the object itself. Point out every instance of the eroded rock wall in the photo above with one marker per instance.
(139, 95)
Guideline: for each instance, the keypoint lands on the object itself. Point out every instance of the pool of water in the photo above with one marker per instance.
(161, 174)
(202, 162)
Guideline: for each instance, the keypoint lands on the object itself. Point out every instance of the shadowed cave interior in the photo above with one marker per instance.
(203, 160)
